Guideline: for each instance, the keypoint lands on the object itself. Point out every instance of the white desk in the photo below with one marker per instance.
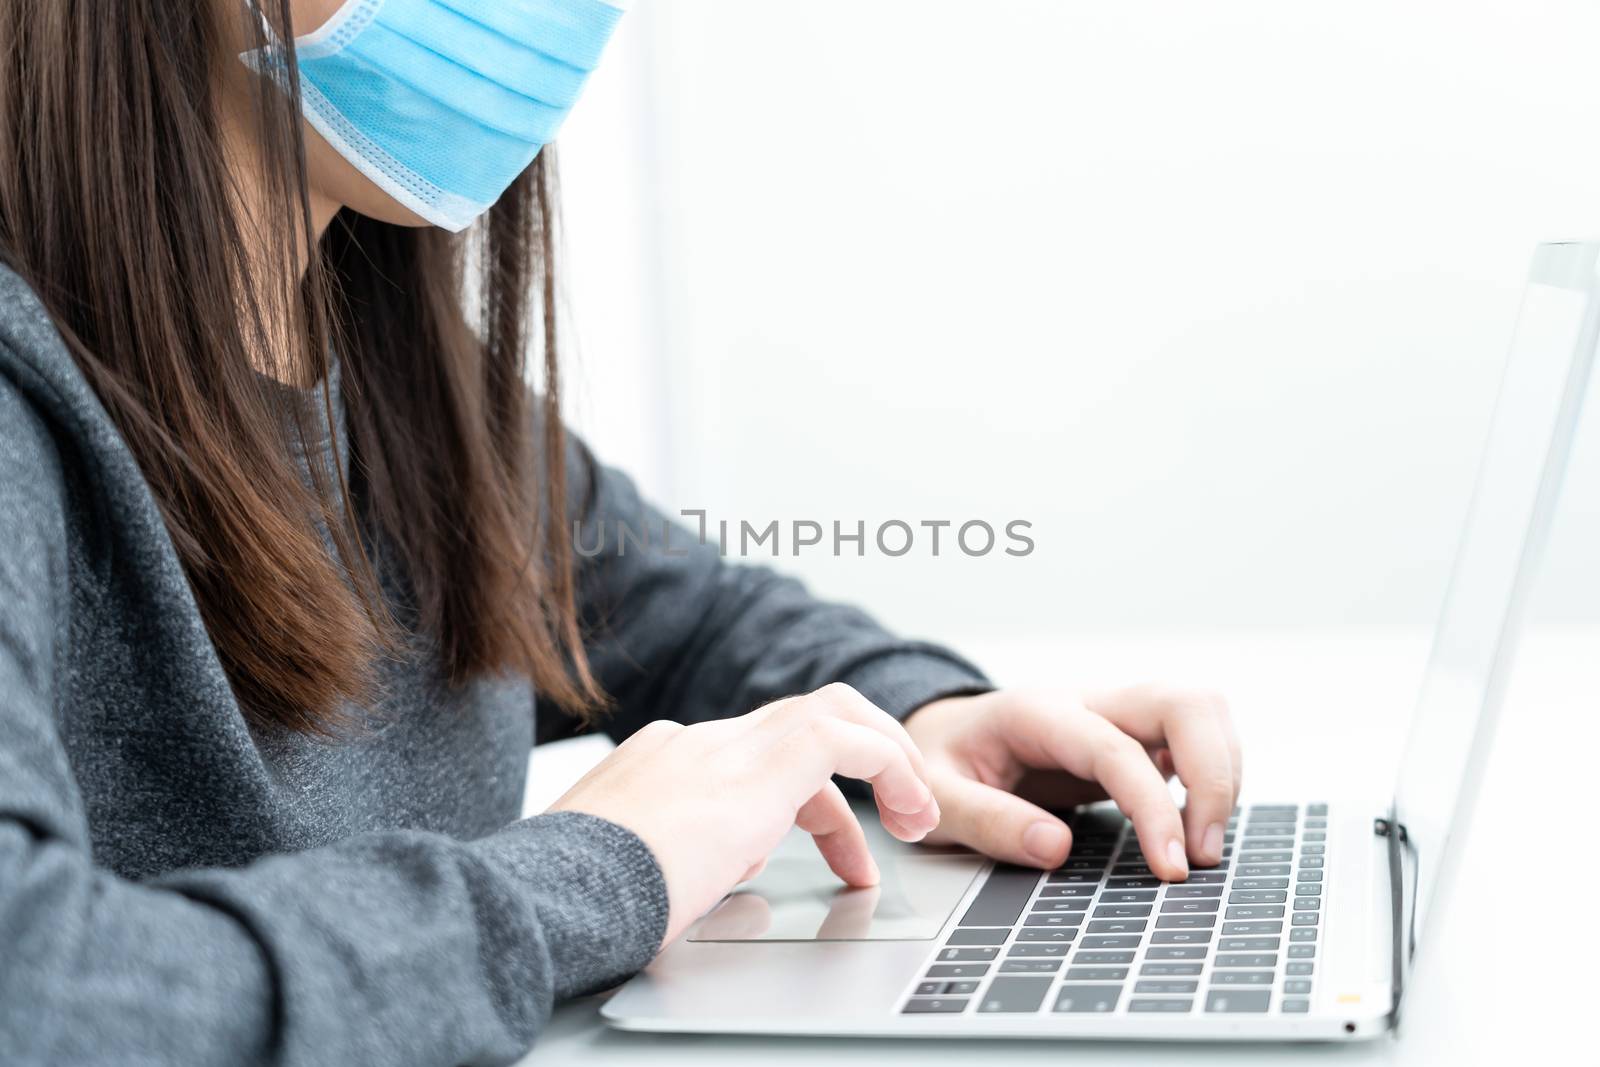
(1324, 710)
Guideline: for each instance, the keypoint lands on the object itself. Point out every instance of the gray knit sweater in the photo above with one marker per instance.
(178, 887)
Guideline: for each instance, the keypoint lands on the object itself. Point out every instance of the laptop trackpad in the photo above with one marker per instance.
(798, 899)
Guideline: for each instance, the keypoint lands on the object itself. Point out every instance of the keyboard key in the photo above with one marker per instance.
(1176, 952)
(1186, 891)
(1307, 903)
(967, 955)
(1308, 889)
(1003, 896)
(1189, 907)
(1298, 968)
(1304, 918)
(1296, 987)
(1263, 926)
(961, 989)
(1166, 985)
(1168, 1006)
(1096, 974)
(934, 1005)
(1047, 933)
(1168, 970)
(1309, 861)
(1070, 919)
(1180, 937)
(1083, 863)
(1097, 958)
(1111, 941)
(1263, 870)
(1247, 959)
(1296, 1006)
(1014, 994)
(1255, 911)
(1302, 952)
(1256, 844)
(1241, 978)
(1029, 966)
(1186, 922)
(1080, 876)
(1316, 824)
(1076, 908)
(929, 989)
(1261, 883)
(1118, 926)
(1216, 877)
(1320, 810)
(1315, 835)
(1146, 882)
(977, 936)
(1308, 876)
(1073, 896)
(1037, 951)
(1268, 857)
(1303, 933)
(1121, 911)
(1257, 896)
(1088, 998)
(1232, 1001)
(1248, 944)
(1313, 850)
(1127, 896)
(958, 970)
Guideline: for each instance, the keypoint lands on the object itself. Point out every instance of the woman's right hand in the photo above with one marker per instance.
(713, 800)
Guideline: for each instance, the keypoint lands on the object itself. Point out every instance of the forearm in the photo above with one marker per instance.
(398, 948)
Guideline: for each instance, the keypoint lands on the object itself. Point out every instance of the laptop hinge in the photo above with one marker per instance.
(1402, 946)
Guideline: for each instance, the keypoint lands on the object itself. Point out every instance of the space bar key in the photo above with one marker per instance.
(1003, 896)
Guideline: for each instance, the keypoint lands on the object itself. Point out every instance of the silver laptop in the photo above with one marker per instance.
(1309, 928)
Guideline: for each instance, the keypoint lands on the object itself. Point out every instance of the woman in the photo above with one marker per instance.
(289, 548)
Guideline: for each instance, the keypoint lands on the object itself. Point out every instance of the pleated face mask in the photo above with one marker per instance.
(444, 103)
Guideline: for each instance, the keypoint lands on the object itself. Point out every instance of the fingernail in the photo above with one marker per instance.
(1211, 844)
(1176, 857)
(1045, 842)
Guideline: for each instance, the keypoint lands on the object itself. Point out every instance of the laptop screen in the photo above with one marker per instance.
(1535, 416)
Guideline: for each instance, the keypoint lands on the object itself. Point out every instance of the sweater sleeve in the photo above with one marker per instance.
(678, 632)
(395, 948)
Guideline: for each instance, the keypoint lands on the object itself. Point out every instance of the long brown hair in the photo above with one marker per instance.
(118, 206)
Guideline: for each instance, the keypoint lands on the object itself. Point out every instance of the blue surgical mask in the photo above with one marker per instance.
(444, 103)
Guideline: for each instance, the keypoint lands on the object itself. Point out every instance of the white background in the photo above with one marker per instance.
(1214, 294)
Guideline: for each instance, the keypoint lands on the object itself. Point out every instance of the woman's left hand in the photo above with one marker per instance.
(996, 761)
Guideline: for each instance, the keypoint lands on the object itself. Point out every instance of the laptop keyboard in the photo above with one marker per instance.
(1103, 934)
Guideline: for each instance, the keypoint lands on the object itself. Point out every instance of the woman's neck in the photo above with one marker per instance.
(260, 223)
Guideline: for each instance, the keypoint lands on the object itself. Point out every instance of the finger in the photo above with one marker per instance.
(1089, 746)
(819, 746)
(1205, 767)
(832, 825)
(1000, 824)
(1193, 726)
(845, 703)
